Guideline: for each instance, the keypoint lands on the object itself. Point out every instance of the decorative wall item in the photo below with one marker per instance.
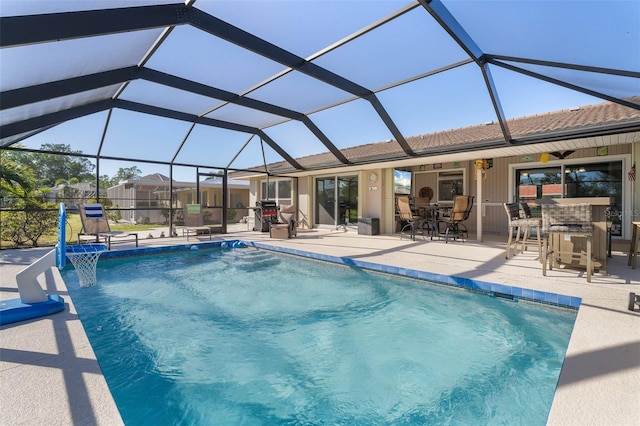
(482, 166)
(561, 155)
(426, 192)
(602, 150)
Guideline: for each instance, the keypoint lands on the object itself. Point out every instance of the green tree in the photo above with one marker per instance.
(15, 178)
(51, 167)
(70, 195)
(107, 182)
(124, 173)
(127, 173)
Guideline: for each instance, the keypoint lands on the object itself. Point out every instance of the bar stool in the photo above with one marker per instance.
(520, 225)
(513, 216)
(530, 223)
(574, 220)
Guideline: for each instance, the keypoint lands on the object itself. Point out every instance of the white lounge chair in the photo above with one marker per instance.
(96, 226)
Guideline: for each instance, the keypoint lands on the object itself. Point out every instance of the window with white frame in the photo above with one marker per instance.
(450, 184)
(574, 180)
(277, 190)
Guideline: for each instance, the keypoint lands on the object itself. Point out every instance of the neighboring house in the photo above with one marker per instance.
(73, 194)
(147, 199)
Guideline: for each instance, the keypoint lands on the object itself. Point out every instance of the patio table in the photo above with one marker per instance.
(431, 214)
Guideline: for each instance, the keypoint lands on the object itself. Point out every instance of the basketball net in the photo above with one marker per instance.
(85, 259)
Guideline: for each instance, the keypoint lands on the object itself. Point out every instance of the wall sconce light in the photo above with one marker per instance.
(544, 157)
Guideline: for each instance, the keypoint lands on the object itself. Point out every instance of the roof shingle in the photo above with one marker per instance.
(606, 113)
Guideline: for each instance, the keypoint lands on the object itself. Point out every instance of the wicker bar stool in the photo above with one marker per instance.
(574, 220)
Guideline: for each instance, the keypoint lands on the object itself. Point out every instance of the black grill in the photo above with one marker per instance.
(266, 212)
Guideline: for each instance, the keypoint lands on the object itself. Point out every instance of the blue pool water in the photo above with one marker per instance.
(251, 337)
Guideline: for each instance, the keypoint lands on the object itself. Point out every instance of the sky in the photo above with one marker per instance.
(575, 32)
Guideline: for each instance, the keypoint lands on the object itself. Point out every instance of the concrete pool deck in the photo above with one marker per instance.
(49, 373)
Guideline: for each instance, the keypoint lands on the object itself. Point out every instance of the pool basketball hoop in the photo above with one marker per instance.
(84, 258)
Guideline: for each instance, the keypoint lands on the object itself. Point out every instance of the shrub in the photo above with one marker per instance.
(29, 224)
(165, 213)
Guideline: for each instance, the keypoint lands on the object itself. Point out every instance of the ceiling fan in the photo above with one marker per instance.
(561, 155)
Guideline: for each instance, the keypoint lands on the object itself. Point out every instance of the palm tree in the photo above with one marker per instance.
(15, 178)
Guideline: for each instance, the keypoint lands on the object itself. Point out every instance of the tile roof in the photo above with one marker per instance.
(542, 125)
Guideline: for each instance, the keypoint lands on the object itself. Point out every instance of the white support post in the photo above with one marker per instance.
(479, 177)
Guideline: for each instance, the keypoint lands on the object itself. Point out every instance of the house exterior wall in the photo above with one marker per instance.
(123, 196)
(378, 200)
(496, 187)
(372, 200)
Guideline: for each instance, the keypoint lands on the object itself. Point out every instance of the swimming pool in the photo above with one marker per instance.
(247, 336)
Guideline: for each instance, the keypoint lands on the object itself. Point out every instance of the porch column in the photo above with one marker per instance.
(478, 171)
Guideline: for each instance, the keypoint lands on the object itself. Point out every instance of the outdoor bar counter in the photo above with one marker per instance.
(599, 245)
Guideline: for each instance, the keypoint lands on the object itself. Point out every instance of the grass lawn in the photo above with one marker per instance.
(74, 225)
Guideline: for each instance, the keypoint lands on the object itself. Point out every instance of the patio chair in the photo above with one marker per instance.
(521, 225)
(411, 221)
(96, 226)
(453, 224)
(513, 217)
(530, 223)
(421, 205)
(194, 221)
(287, 225)
(566, 221)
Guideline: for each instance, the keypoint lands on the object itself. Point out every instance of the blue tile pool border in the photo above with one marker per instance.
(488, 288)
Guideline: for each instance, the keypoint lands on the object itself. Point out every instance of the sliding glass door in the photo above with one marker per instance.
(336, 201)
(325, 201)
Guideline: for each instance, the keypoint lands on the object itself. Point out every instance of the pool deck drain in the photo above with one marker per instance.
(49, 374)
